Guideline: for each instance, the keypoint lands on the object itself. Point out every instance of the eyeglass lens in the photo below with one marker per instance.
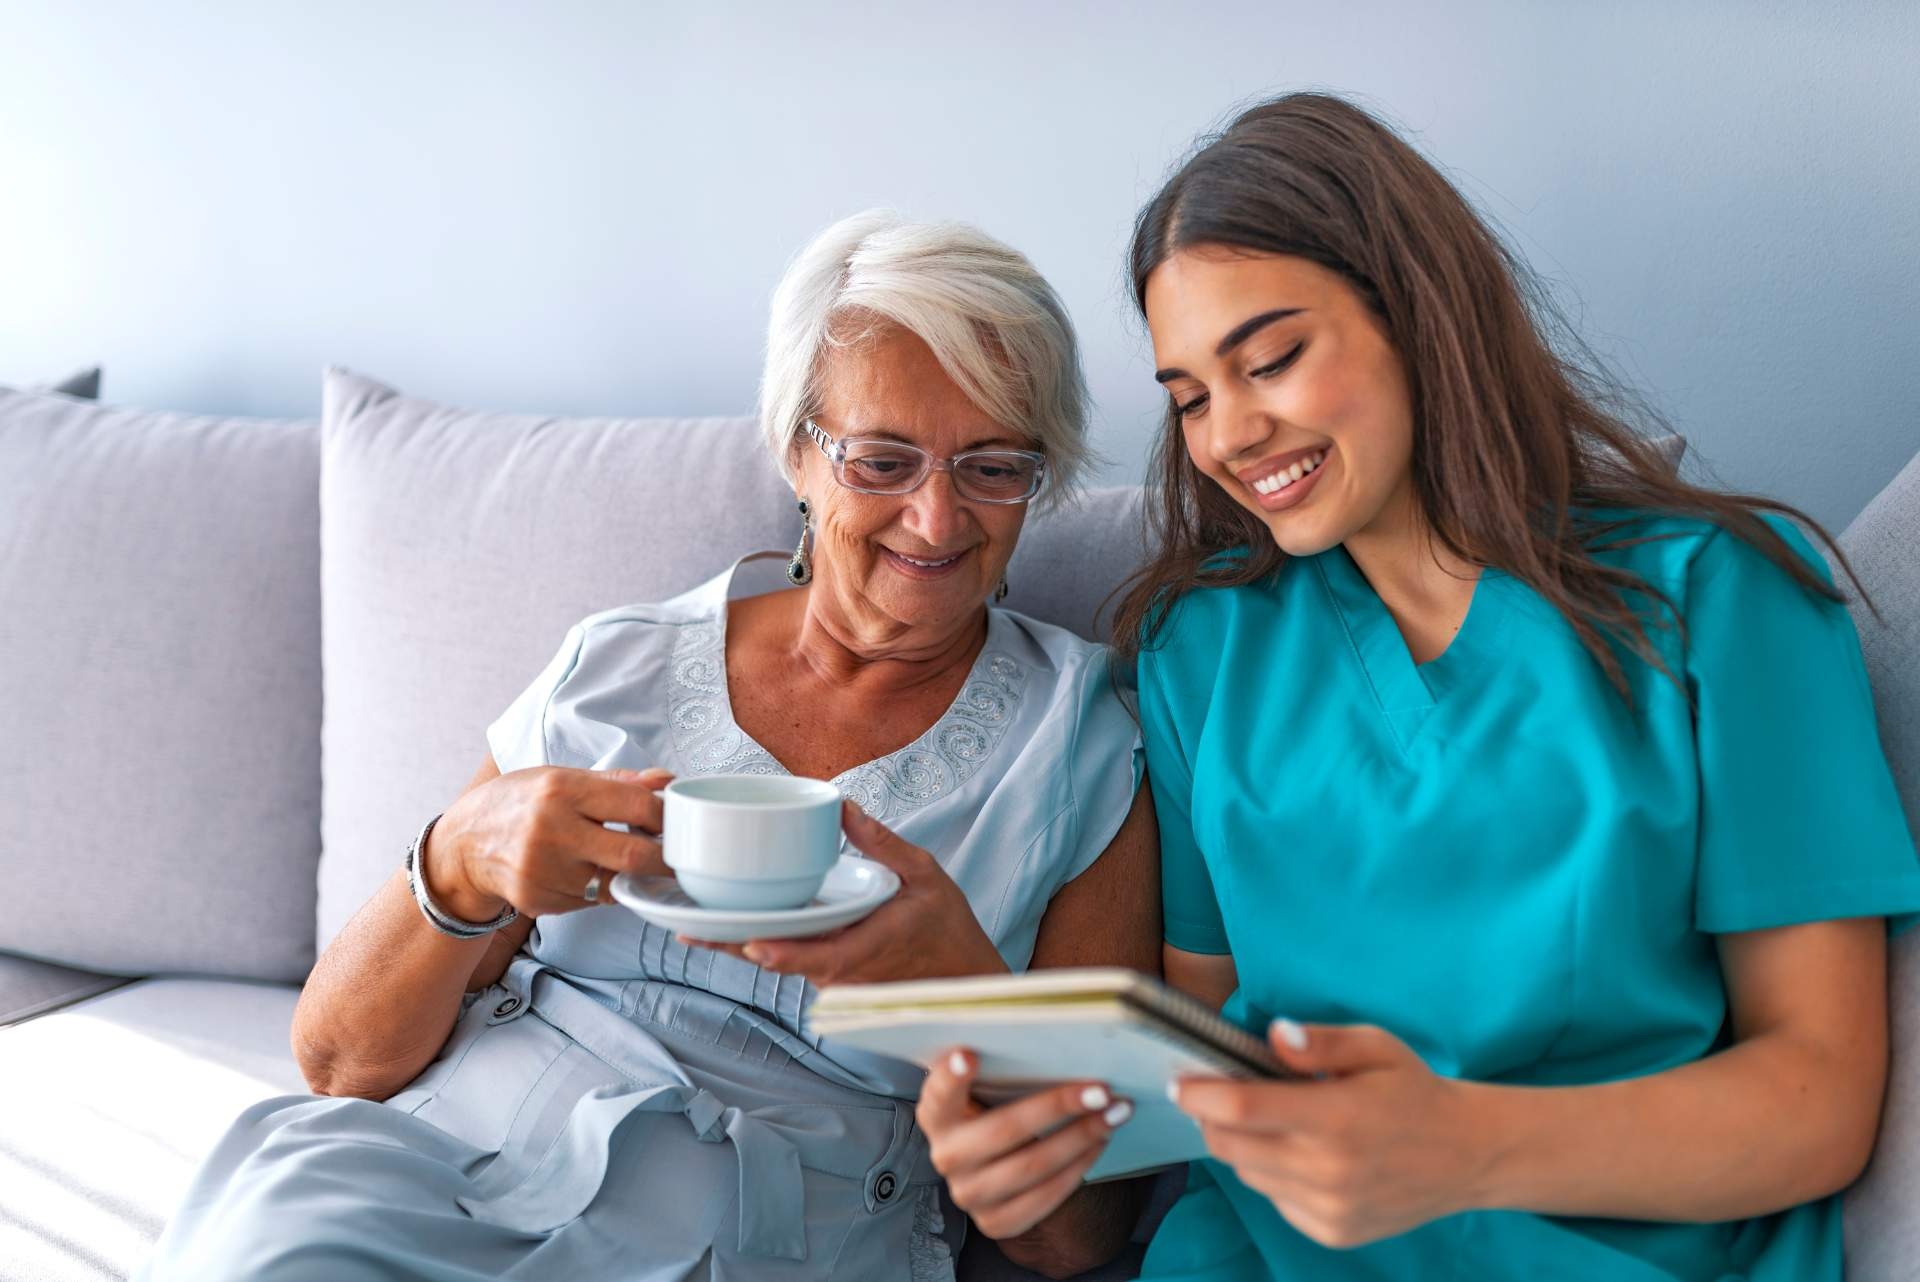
(884, 467)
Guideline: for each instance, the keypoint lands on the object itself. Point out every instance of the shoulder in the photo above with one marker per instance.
(1196, 622)
(1061, 668)
(630, 643)
(1073, 681)
(632, 623)
(1679, 552)
(1040, 644)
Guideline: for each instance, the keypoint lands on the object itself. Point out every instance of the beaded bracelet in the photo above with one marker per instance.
(437, 917)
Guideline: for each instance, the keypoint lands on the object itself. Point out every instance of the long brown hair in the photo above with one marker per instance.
(1517, 427)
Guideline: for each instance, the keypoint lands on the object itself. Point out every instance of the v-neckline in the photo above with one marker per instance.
(1407, 691)
(926, 741)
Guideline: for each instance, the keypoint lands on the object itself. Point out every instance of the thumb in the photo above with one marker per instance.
(1322, 1050)
(880, 843)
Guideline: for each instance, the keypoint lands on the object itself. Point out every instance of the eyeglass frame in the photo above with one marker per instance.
(836, 452)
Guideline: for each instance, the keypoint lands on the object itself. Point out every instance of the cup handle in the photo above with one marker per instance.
(618, 825)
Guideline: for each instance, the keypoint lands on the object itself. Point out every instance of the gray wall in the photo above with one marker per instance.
(582, 207)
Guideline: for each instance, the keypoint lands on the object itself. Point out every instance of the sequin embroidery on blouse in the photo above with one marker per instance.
(939, 761)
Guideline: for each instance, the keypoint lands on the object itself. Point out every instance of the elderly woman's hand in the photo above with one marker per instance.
(537, 839)
(926, 931)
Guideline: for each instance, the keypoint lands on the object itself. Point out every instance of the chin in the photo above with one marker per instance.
(1297, 537)
(928, 603)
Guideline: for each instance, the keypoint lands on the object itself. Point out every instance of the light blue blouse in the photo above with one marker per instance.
(1497, 859)
(621, 1105)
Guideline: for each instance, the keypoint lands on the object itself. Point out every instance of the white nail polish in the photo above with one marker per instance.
(957, 1064)
(1094, 1098)
(1291, 1033)
(1119, 1113)
(1173, 1090)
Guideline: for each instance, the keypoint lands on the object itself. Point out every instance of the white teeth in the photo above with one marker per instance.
(1288, 475)
(927, 565)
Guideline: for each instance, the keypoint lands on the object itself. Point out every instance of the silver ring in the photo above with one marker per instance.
(592, 893)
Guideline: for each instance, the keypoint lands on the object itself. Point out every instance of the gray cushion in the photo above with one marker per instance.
(1070, 559)
(83, 384)
(459, 546)
(159, 666)
(1883, 543)
(1672, 448)
(29, 987)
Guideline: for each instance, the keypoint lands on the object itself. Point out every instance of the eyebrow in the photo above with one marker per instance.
(1237, 335)
(999, 442)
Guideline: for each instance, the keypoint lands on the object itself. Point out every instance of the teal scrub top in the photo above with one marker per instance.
(1493, 857)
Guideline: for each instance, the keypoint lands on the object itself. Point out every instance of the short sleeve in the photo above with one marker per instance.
(1799, 817)
(1104, 762)
(1189, 909)
(518, 737)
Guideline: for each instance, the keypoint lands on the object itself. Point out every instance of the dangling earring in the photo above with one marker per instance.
(800, 569)
(1000, 593)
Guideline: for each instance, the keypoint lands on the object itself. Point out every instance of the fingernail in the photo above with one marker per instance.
(957, 1064)
(1119, 1113)
(1173, 1089)
(1094, 1098)
(1291, 1033)
(752, 953)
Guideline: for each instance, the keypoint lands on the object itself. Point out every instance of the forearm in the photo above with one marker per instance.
(1762, 1126)
(1084, 1232)
(382, 998)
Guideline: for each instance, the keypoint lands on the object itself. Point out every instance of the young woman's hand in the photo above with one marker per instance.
(926, 931)
(1374, 1144)
(1011, 1166)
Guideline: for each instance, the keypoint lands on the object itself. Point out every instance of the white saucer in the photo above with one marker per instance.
(854, 887)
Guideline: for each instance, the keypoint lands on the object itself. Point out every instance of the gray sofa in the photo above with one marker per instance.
(202, 620)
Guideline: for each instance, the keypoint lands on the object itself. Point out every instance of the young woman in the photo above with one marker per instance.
(1530, 797)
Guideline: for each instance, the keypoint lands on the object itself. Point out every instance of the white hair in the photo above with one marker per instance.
(993, 322)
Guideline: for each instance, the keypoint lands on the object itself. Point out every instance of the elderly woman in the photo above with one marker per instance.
(527, 1082)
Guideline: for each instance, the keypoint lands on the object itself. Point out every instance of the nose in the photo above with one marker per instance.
(935, 513)
(1235, 425)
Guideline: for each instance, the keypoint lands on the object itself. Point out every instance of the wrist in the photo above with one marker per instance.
(444, 873)
(984, 959)
(1489, 1138)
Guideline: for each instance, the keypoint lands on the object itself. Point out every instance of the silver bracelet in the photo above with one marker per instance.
(437, 917)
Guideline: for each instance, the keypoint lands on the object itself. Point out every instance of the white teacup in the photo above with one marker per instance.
(751, 842)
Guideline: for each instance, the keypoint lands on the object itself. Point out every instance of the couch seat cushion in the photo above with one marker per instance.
(29, 987)
(108, 1107)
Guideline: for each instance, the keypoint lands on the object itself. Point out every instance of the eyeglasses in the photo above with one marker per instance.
(876, 465)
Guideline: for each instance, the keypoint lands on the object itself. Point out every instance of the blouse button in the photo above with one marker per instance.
(506, 1008)
(883, 1188)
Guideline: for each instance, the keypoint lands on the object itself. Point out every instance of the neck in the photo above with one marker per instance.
(859, 649)
(1417, 577)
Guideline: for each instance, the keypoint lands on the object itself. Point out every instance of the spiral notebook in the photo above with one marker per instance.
(1111, 1025)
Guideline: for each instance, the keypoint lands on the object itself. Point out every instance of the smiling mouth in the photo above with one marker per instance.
(1281, 478)
(1285, 480)
(923, 567)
